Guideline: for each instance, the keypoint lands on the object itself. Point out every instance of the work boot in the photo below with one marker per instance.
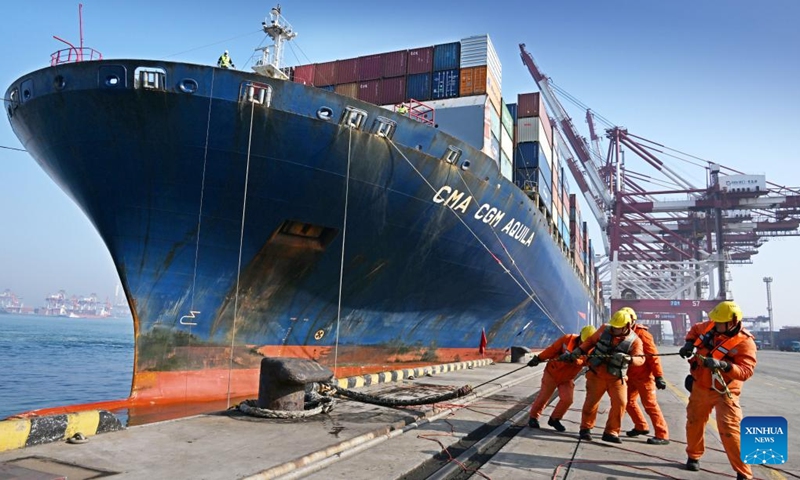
(693, 465)
(533, 423)
(585, 434)
(607, 437)
(657, 441)
(556, 423)
(636, 433)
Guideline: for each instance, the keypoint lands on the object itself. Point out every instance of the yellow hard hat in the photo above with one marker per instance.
(587, 332)
(725, 312)
(620, 319)
(631, 312)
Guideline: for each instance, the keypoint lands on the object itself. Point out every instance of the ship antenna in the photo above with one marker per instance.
(280, 32)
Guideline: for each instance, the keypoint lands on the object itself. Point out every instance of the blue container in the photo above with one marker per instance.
(528, 156)
(447, 56)
(445, 84)
(418, 86)
(512, 109)
(328, 88)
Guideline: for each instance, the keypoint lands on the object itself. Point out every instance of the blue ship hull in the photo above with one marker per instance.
(287, 231)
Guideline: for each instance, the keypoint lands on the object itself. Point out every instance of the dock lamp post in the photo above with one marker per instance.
(768, 281)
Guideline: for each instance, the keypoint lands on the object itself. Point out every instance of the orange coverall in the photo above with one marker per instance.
(704, 398)
(599, 381)
(558, 375)
(641, 383)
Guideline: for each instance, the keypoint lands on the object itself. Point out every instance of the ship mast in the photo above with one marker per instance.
(279, 31)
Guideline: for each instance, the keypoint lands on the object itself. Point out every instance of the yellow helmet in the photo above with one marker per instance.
(631, 312)
(587, 332)
(725, 312)
(620, 319)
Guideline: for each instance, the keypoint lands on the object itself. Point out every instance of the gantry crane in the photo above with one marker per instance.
(668, 242)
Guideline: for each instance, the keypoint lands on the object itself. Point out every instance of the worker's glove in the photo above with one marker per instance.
(534, 361)
(686, 350)
(570, 357)
(623, 358)
(714, 363)
(660, 383)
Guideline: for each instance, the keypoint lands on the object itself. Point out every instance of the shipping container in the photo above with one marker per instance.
(528, 156)
(478, 50)
(464, 118)
(531, 129)
(479, 85)
(466, 82)
(348, 89)
(506, 118)
(420, 60)
(395, 64)
(370, 91)
(347, 71)
(370, 67)
(444, 84)
(512, 109)
(506, 167)
(532, 105)
(447, 56)
(325, 74)
(494, 149)
(495, 119)
(304, 74)
(493, 90)
(506, 143)
(418, 86)
(393, 90)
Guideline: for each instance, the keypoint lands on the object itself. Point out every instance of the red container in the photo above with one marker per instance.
(393, 91)
(347, 71)
(529, 105)
(395, 64)
(370, 91)
(370, 67)
(325, 74)
(304, 74)
(420, 60)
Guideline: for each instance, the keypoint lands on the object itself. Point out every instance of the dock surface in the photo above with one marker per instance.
(482, 435)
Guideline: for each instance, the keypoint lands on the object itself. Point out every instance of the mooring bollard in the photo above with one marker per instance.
(282, 382)
(518, 354)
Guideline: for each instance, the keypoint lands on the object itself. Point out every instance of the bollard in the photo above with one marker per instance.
(283, 381)
(518, 354)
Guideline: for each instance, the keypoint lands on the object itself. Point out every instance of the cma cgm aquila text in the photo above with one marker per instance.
(289, 212)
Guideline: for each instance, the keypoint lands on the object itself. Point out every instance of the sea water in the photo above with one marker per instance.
(58, 361)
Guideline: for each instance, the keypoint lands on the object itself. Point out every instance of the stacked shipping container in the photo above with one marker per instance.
(461, 81)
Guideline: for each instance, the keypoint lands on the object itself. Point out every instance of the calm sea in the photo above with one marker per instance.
(54, 361)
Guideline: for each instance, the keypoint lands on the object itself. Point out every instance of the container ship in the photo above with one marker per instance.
(297, 212)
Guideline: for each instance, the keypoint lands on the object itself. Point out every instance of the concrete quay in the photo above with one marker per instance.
(482, 435)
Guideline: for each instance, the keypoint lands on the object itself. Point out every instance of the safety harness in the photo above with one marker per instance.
(718, 352)
(604, 353)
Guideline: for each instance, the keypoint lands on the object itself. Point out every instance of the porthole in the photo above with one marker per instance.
(59, 82)
(112, 80)
(465, 165)
(26, 94)
(188, 85)
(324, 113)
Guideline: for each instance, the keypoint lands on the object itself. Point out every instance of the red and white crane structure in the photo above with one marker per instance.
(668, 243)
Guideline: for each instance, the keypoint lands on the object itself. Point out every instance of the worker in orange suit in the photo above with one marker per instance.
(725, 357)
(558, 375)
(642, 383)
(615, 347)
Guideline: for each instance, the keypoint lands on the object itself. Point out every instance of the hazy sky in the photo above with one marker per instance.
(717, 79)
